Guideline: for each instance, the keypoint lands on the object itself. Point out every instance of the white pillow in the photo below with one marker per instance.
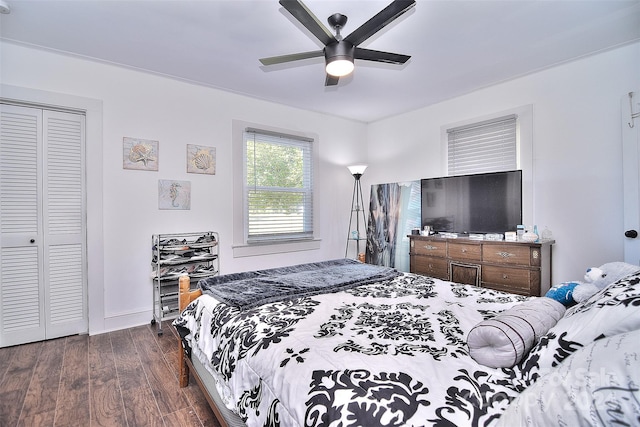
(503, 340)
(612, 311)
(599, 385)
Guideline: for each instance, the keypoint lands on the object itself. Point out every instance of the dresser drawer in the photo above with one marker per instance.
(507, 254)
(430, 266)
(468, 274)
(515, 280)
(429, 247)
(464, 252)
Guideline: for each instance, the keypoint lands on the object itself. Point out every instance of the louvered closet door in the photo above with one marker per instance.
(42, 225)
(22, 285)
(64, 224)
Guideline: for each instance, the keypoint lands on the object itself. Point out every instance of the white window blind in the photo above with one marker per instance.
(488, 146)
(278, 186)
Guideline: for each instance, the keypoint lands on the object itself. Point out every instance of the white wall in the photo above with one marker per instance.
(576, 161)
(175, 113)
(577, 150)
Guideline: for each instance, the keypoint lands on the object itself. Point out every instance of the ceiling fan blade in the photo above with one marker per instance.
(379, 21)
(309, 20)
(291, 57)
(378, 56)
(331, 80)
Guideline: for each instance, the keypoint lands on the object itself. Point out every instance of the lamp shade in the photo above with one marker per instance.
(357, 169)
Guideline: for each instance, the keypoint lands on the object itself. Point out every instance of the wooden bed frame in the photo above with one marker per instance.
(185, 296)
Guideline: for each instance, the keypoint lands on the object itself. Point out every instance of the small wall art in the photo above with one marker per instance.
(174, 194)
(201, 159)
(139, 154)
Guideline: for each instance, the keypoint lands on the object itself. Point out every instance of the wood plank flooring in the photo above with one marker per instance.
(125, 378)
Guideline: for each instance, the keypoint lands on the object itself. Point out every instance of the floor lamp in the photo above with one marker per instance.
(357, 209)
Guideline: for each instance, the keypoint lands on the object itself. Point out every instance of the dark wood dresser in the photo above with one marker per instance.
(518, 267)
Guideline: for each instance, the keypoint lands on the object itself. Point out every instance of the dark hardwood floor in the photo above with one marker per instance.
(122, 378)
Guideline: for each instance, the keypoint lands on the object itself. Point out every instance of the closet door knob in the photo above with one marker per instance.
(32, 241)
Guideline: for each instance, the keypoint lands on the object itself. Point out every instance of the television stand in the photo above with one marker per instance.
(517, 267)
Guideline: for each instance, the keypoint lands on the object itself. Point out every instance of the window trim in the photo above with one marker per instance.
(240, 246)
(525, 149)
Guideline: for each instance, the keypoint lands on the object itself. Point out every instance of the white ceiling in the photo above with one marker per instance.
(456, 46)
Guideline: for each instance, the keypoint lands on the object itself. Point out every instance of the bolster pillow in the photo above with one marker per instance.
(503, 341)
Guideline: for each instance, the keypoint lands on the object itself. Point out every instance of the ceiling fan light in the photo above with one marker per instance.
(339, 58)
(340, 67)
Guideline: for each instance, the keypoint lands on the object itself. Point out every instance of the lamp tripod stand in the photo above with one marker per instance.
(357, 210)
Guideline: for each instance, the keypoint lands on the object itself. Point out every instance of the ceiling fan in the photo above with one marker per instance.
(340, 52)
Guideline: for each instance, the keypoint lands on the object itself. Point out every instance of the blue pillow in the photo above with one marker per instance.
(563, 293)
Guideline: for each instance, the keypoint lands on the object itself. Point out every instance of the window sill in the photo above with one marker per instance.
(275, 248)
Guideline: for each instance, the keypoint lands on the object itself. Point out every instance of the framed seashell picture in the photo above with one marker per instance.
(139, 154)
(201, 159)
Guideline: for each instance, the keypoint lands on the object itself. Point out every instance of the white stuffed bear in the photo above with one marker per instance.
(598, 278)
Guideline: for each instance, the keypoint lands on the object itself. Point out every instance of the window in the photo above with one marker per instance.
(487, 146)
(278, 187)
(509, 148)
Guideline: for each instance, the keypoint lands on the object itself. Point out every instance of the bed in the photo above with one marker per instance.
(343, 343)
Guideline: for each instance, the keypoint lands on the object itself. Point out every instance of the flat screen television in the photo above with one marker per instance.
(480, 203)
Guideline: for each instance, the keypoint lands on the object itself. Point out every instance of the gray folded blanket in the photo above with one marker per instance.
(254, 288)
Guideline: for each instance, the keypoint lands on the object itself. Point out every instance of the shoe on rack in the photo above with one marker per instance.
(165, 272)
(166, 256)
(177, 272)
(172, 259)
(205, 241)
(204, 272)
(202, 256)
(173, 244)
(185, 253)
(207, 238)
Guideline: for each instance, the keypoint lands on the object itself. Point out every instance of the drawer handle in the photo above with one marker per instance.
(430, 248)
(505, 277)
(505, 254)
(463, 250)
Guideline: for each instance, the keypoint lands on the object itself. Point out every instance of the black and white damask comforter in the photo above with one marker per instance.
(387, 353)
